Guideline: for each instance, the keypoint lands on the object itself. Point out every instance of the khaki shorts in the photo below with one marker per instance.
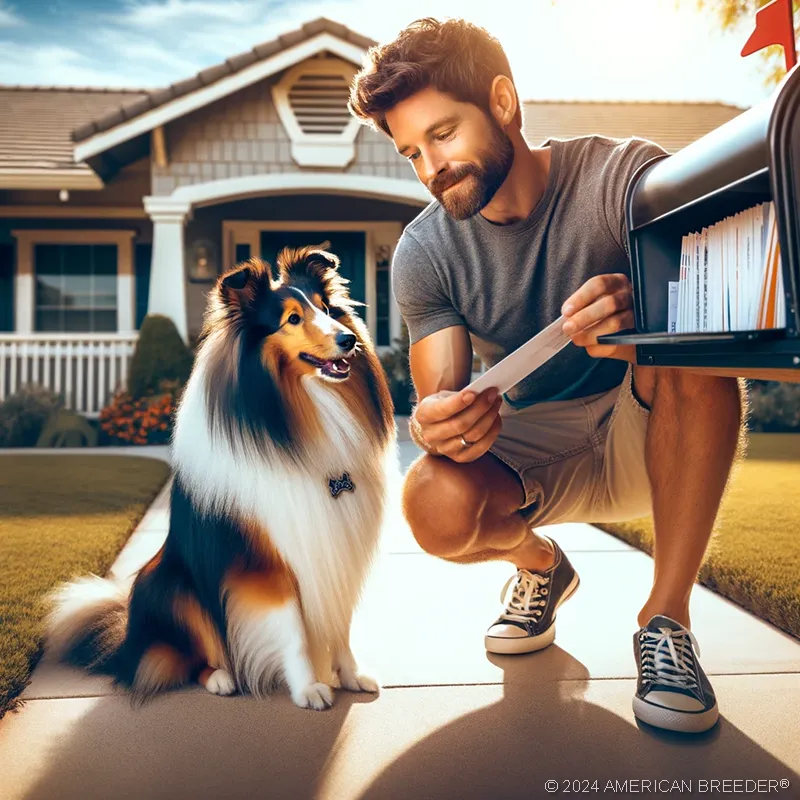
(579, 460)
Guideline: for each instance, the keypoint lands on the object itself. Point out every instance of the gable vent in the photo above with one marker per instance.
(319, 103)
(311, 100)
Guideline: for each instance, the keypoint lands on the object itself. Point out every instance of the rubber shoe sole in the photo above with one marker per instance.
(505, 646)
(671, 720)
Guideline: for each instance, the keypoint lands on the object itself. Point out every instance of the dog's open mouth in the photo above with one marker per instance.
(338, 368)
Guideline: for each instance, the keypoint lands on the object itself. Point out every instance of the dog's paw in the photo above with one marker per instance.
(356, 682)
(318, 696)
(220, 682)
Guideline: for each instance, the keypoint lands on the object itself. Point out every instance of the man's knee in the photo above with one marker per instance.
(443, 504)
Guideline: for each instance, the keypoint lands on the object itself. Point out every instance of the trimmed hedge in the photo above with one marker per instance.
(161, 362)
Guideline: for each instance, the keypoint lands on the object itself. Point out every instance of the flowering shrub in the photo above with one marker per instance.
(147, 420)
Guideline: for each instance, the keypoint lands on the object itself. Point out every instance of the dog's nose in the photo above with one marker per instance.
(346, 341)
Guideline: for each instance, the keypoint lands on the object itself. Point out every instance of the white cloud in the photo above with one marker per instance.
(8, 17)
(179, 12)
(54, 65)
(144, 51)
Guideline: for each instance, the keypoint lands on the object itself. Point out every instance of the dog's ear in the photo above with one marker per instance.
(237, 280)
(321, 257)
(315, 262)
(239, 286)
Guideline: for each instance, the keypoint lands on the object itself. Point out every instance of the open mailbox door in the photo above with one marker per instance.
(752, 160)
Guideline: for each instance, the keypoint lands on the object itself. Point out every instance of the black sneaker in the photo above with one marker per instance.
(531, 600)
(672, 692)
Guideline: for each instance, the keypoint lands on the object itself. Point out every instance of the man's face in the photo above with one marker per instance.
(459, 152)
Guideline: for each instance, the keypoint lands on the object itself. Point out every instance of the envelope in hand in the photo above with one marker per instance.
(524, 360)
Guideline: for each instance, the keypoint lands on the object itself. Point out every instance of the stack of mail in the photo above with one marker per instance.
(730, 276)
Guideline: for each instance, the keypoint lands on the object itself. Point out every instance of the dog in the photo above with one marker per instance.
(284, 452)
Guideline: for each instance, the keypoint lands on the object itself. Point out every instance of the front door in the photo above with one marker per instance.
(348, 246)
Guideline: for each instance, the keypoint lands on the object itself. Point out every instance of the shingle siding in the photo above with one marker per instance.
(242, 135)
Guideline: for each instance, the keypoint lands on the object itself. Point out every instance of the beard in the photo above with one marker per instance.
(480, 181)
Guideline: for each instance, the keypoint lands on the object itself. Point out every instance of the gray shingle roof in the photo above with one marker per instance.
(673, 125)
(36, 123)
(211, 75)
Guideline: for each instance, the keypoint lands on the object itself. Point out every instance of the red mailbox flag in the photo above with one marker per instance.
(774, 25)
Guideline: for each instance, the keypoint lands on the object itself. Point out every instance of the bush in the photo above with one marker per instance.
(67, 429)
(23, 415)
(160, 368)
(774, 407)
(161, 361)
(146, 420)
(398, 373)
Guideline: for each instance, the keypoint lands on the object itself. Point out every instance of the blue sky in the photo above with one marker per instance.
(559, 49)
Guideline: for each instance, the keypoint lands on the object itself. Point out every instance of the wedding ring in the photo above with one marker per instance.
(464, 442)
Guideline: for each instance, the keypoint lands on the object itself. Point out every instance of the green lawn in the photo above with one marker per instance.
(60, 516)
(754, 555)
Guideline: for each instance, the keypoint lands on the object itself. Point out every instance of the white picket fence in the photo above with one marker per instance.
(85, 367)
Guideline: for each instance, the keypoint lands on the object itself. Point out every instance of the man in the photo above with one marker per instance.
(516, 237)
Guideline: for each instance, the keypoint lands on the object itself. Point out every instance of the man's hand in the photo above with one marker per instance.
(443, 418)
(603, 305)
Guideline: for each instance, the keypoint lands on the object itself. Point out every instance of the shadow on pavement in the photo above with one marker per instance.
(554, 731)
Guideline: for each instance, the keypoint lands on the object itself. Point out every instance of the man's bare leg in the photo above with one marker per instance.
(692, 438)
(470, 512)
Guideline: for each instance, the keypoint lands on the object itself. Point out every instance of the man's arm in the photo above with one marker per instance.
(440, 355)
(604, 304)
(439, 362)
(446, 416)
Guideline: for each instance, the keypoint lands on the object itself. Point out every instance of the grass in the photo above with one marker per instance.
(754, 555)
(60, 516)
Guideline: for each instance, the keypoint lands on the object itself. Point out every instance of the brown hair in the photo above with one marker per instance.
(455, 57)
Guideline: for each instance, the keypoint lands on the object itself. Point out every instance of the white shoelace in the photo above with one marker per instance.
(528, 592)
(672, 665)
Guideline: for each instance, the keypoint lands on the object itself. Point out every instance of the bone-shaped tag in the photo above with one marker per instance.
(339, 485)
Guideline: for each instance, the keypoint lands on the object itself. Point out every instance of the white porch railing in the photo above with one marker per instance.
(85, 367)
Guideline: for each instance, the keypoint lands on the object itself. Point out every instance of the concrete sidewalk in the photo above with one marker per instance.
(451, 720)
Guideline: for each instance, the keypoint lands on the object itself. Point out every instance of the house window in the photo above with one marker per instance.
(7, 287)
(76, 287)
(143, 257)
(242, 253)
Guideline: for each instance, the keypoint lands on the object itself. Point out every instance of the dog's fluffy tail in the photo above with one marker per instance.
(86, 623)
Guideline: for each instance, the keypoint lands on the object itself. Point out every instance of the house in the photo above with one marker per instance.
(116, 203)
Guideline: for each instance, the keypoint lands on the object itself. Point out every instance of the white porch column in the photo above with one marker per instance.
(24, 284)
(167, 295)
(126, 288)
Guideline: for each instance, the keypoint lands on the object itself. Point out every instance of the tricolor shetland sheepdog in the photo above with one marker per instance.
(284, 454)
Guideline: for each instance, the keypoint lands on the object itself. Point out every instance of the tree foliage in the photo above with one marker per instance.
(732, 13)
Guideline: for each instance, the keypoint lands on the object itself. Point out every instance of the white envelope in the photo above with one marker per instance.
(523, 361)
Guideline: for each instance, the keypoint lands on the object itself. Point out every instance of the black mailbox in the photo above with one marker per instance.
(752, 159)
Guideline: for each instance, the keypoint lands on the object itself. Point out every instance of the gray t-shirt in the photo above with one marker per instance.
(505, 283)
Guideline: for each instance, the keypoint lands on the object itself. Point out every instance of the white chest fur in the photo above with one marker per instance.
(328, 542)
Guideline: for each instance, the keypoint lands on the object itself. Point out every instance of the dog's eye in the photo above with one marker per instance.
(295, 319)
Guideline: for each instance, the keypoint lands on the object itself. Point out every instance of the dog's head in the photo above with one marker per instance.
(300, 320)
